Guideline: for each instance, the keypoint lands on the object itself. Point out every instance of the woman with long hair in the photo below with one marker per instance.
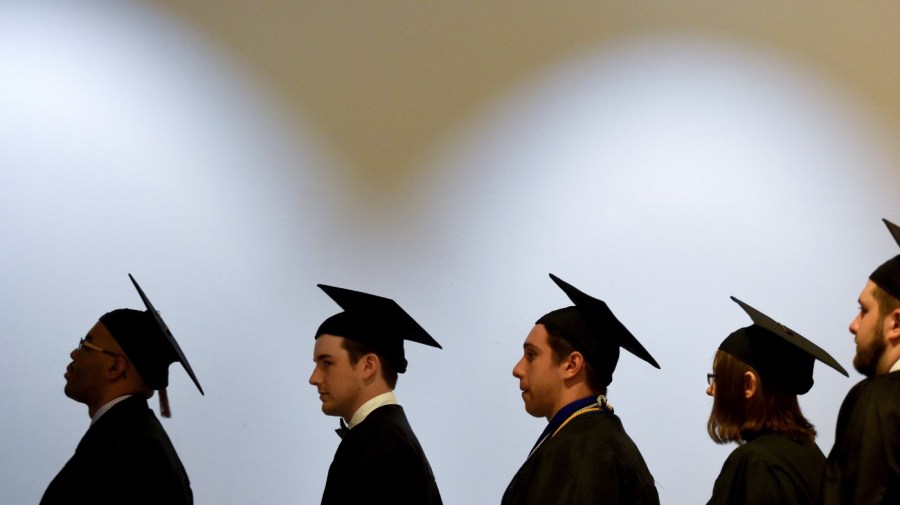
(758, 371)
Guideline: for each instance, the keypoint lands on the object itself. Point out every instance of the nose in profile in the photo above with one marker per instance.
(517, 371)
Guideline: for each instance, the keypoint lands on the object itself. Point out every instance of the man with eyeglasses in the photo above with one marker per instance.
(125, 456)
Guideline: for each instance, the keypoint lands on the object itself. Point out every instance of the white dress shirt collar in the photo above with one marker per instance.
(367, 408)
(110, 404)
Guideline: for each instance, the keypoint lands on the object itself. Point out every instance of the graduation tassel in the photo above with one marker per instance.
(164, 403)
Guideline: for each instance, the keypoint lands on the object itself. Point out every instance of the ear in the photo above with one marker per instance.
(572, 365)
(369, 365)
(892, 327)
(750, 384)
(117, 368)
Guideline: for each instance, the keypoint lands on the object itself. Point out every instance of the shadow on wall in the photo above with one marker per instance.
(661, 175)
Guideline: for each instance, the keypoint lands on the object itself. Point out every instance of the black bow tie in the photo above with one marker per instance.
(343, 430)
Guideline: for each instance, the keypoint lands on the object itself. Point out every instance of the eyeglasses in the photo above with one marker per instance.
(82, 344)
(710, 378)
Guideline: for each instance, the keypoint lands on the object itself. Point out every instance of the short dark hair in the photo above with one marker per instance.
(562, 348)
(357, 350)
(886, 302)
(734, 416)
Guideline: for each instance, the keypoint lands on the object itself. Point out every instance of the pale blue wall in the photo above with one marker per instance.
(660, 174)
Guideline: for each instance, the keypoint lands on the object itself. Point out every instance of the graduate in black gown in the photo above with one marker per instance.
(758, 372)
(125, 456)
(864, 464)
(358, 354)
(584, 455)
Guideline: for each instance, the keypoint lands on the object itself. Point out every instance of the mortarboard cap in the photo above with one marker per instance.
(592, 329)
(783, 358)
(887, 276)
(376, 322)
(148, 343)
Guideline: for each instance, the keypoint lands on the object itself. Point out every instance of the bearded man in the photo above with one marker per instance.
(864, 464)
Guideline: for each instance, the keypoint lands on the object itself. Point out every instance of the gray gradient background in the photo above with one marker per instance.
(448, 155)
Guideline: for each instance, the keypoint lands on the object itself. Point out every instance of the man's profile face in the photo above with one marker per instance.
(86, 374)
(540, 379)
(338, 382)
(867, 327)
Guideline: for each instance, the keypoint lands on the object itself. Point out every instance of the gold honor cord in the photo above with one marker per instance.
(585, 410)
(594, 407)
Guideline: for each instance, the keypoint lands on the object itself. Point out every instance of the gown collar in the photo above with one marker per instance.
(565, 413)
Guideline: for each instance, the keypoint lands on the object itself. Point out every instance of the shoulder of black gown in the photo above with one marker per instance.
(882, 387)
(131, 450)
(771, 469)
(590, 460)
(864, 463)
(381, 460)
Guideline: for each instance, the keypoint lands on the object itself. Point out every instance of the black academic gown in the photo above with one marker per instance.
(864, 464)
(770, 469)
(380, 461)
(590, 460)
(125, 457)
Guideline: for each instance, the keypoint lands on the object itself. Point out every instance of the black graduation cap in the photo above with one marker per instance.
(887, 276)
(782, 357)
(149, 344)
(376, 322)
(594, 331)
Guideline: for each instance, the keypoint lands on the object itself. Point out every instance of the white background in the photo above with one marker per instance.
(661, 174)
